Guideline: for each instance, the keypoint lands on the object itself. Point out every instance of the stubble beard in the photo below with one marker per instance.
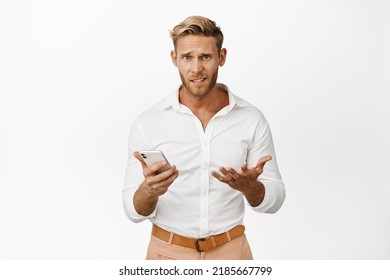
(199, 92)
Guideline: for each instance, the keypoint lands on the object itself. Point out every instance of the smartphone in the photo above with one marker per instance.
(152, 157)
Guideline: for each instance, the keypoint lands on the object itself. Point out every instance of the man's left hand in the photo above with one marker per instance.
(245, 181)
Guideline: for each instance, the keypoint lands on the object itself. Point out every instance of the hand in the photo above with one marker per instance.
(244, 181)
(156, 184)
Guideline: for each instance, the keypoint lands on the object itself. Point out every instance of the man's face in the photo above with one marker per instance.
(198, 59)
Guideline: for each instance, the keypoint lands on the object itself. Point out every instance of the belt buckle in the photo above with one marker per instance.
(197, 245)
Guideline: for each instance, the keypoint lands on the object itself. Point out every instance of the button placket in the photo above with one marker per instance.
(205, 179)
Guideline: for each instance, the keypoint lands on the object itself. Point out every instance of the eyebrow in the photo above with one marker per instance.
(189, 53)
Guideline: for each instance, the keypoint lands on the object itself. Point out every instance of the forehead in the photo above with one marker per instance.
(196, 43)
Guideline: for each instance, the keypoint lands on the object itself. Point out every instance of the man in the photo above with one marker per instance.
(221, 151)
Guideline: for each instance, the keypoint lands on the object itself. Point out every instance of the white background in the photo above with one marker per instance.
(74, 74)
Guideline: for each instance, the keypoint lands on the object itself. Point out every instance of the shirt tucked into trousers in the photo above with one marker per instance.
(198, 205)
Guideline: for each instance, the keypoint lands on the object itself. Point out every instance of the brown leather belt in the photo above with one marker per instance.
(201, 244)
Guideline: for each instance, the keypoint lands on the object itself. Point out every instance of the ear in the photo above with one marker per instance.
(174, 57)
(222, 57)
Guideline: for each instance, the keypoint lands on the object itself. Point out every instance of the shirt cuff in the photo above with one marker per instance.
(128, 196)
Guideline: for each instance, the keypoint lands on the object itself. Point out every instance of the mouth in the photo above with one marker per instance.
(198, 81)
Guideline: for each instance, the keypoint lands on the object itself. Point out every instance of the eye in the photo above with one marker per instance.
(186, 58)
(206, 57)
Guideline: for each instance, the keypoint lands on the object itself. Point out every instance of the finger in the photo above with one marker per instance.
(166, 174)
(244, 168)
(173, 177)
(263, 160)
(137, 155)
(163, 178)
(233, 173)
(227, 176)
(153, 168)
(219, 177)
(223, 171)
(261, 163)
(167, 180)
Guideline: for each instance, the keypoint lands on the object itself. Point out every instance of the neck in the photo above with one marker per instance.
(213, 101)
(205, 107)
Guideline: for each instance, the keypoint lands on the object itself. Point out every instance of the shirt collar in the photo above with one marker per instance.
(172, 100)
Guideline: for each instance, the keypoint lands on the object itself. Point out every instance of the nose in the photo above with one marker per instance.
(196, 66)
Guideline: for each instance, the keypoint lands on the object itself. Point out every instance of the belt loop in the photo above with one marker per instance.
(170, 238)
(212, 238)
(228, 236)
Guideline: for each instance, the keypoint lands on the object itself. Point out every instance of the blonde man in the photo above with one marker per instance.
(221, 151)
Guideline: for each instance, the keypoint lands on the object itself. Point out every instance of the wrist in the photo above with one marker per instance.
(255, 193)
(144, 200)
(147, 192)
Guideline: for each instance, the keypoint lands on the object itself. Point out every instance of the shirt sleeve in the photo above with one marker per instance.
(134, 175)
(262, 145)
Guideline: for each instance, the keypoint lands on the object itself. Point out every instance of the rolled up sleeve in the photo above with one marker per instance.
(128, 205)
(263, 145)
(273, 199)
(134, 174)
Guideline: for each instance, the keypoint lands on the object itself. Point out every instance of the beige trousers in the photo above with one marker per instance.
(236, 249)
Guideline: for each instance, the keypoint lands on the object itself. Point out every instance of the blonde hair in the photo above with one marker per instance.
(197, 25)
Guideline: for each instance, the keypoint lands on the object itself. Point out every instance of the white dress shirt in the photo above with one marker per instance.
(197, 204)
